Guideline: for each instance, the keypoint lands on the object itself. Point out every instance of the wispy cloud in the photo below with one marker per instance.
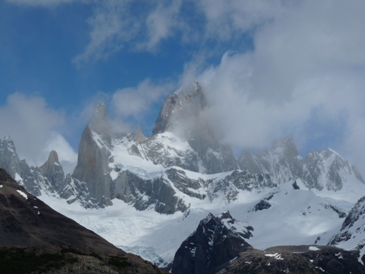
(34, 127)
(135, 102)
(130, 25)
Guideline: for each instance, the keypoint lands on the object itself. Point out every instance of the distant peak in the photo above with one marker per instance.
(100, 111)
(53, 157)
(185, 103)
(7, 138)
(138, 135)
(99, 121)
(286, 146)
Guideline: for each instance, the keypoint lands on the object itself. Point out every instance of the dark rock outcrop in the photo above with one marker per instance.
(215, 242)
(296, 259)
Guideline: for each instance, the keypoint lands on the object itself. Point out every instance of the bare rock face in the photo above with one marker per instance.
(19, 169)
(215, 242)
(142, 193)
(181, 114)
(53, 171)
(139, 136)
(93, 157)
(181, 105)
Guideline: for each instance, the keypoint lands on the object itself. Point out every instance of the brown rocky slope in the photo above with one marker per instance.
(36, 239)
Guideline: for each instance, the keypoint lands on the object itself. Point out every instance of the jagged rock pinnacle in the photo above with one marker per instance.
(52, 169)
(53, 157)
(99, 121)
(184, 103)
(138, 135)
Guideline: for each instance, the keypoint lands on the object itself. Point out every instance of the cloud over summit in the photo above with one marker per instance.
(269, 68)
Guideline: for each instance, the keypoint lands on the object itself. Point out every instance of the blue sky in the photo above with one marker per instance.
(269, 69)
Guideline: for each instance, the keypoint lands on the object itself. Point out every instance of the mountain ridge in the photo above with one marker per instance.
(179, 176)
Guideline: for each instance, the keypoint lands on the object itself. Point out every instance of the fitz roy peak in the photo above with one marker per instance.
(156, 171)
(148, 194)
(136, 169)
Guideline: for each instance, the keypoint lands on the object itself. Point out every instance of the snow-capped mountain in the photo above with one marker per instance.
(322, 170)
(148, 194)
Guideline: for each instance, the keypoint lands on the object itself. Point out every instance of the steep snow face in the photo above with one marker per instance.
(149, 158)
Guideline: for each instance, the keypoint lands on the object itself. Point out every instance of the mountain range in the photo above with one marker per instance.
(148, 195)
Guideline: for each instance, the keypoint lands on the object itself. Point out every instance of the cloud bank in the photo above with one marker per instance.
(34, 128)
(301, 75)
(304, 77)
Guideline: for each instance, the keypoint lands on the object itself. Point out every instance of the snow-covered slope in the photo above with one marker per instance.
(294, 217)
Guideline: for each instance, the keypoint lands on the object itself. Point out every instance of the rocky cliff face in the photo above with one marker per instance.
(94, 155)
(48, 179)
(53, 172)
(145, 193)
(181, 114)
(215, 242)
(17, 168)
(184, 104)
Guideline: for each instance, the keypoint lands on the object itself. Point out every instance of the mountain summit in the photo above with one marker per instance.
(179, 108)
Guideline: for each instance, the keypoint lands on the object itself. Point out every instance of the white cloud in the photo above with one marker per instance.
(33, 127)
(111, 27)
(116, 25)
(161, 21)
(304, 74)
(136, 102)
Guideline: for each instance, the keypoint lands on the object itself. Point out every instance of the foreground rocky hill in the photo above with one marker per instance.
(215, 242)
(220, 245)
(296, 259)
(36, 239)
